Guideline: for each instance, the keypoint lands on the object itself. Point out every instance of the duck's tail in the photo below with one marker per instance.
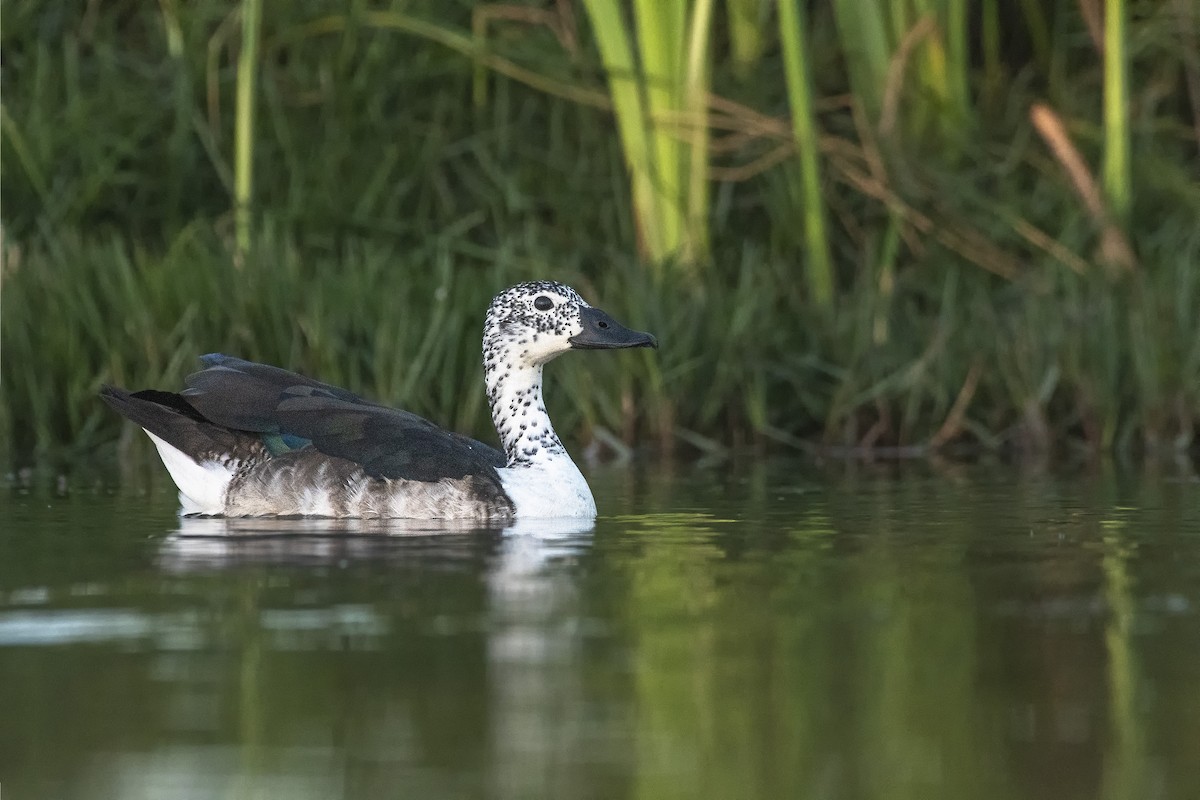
(201, 457)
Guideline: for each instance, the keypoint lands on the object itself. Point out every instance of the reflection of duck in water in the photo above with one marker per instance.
(512, 550)
(246, 439)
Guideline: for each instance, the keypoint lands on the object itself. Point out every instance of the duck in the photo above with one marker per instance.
(245, 439)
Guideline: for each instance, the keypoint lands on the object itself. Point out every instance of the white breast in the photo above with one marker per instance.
(553, 489)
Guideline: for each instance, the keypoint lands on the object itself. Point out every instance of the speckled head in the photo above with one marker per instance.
(528, 325)
(532, 323)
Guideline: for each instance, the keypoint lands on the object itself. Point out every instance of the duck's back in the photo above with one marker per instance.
(246, 439)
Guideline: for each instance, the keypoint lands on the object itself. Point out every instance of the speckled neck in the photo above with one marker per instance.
(520, 335)
(519, 414)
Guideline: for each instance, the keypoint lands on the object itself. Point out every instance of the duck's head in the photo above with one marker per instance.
(532, 323)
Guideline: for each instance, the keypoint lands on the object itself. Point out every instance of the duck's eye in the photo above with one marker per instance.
(543, 303)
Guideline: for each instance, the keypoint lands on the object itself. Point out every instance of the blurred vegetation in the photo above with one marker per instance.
(923, 225)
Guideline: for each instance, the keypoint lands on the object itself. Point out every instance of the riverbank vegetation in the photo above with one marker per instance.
(926, 225)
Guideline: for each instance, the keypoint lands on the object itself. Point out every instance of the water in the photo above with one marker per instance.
(764, 631)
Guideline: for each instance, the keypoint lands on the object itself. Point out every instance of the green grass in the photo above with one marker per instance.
(1062, 357)
(970, 304)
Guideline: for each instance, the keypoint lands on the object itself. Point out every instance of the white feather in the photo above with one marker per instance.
(201, 485)
(553, 488)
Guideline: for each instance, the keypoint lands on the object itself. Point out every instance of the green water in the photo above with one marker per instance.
(764, 631)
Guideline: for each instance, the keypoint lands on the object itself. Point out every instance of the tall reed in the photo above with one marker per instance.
(794, 37)
(748, 34)
(1116, 111)
(659, 83)
(909, 63)
(864, 40)
(244, 139)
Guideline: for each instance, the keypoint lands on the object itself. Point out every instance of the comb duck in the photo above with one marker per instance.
(247, 439)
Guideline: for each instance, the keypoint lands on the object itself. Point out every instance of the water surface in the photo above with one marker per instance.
(759, 631)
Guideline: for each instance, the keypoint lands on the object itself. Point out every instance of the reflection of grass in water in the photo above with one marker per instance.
(670, 611)
(862, 670)
(249, 698)
(1125, 768)
(689, 520)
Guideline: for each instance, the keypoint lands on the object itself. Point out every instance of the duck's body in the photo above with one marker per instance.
(246, 439)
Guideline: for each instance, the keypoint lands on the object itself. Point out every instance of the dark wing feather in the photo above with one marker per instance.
(168, 417)
(386, 442)
(244, 395)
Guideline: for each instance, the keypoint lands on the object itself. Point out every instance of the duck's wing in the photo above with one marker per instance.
(290, 410)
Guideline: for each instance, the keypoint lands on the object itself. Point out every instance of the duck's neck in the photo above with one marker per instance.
(515, 395)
